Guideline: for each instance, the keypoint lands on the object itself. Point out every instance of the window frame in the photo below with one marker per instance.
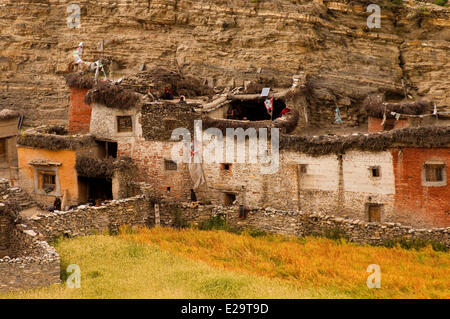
(118, 130)
(169, 165)
(437, 183)
(39, 171)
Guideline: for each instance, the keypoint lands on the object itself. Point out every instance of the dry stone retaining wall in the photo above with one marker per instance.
(86, 220)
(32, 263)
(299, 223)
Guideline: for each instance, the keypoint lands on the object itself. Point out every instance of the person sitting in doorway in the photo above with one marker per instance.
(57, 204)
(168, 94)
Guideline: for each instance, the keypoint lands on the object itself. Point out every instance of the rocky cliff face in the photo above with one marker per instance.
(226, 42)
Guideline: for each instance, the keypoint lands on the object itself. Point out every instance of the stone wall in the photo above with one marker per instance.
(87, 220)
(30, 263)
(300, 223)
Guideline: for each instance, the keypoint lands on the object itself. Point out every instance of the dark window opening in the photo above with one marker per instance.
(375, 171)
(225, 167)
(168, 189)
(124, 124)
(108, 149)
(254, 110)
(434, 172)
(170, 165)
(374, 213)
(94, 190)
(229, 199)
(303, 168)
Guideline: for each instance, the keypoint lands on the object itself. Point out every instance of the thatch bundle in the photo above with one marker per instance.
(287, 123)
(158, 78)
(111, 95)
(49, 140)
(79, 80)
(429, 136)
(375, 106)
(7, 114)
(105, 167)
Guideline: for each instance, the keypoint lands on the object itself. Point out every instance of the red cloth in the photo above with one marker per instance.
(285, 110)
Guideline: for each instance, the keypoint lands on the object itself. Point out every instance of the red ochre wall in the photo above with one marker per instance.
(418, 205)
(374, 124)
(79, 112)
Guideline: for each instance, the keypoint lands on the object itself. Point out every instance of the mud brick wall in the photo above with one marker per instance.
(415, 201)
(79, 112)
(374, 124)
(85, 220)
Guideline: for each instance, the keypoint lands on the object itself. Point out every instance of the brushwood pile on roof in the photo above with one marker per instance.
(104, 167)
(79, 80)
(376, 106)
(52, 138)
(112, 95)
(426, 136)
(158, 78)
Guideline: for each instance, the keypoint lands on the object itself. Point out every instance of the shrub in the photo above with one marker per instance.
(441, 2)
(216, 222)
(335, 234)
(416, 244)
(256, 232)
(178, 220)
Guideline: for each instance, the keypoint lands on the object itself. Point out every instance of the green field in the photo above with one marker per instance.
(167, 263)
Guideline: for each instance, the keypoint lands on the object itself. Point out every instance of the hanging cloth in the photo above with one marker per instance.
(196, 168)
(337, 117)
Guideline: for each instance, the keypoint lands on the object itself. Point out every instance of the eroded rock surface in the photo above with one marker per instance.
(225, 42)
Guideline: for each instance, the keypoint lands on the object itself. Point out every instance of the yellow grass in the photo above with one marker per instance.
(313, 263)
(113, 267)
(167, 263)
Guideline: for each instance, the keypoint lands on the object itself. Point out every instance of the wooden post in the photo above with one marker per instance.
(64, 200)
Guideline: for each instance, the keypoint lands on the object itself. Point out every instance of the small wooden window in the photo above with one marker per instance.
(374, 213)
(124, 124)
(170, 165)
(47, 181)
(434, 172)
(303, 168)
(375, 171)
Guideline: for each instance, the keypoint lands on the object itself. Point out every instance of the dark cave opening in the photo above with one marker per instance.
(254, 110)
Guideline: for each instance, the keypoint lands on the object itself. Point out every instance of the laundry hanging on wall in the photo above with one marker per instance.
(195, 167)
(269, 105)
(337, 117)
